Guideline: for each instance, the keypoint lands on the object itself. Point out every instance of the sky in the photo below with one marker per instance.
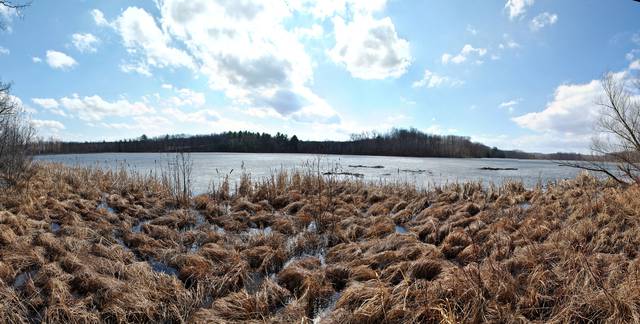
(517, 74)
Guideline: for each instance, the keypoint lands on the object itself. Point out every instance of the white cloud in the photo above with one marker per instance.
(315, 110)
(200, 116)
(248, 62)
(636, 38)
(635, 65)
(517, 8)
(153, 125)
(438, 129)
(407, 101)
(434, 80)
(313, 32)
(49, 104)
(370, 48)
(85, 42)
(510, 105)
(542, 142)
(632, 54)
(573, 110)
(4, 51)
(187, 97)
(140, 32)
(542, 20)
(47, 126)
(59, 60)
(36, 59)
(472, 30)
(94, 108)
(567, 122)
(253, 51)
(140, 68)
(331, 8)
(261, 112)
(466, 52)
(98, 18)
(509, 44)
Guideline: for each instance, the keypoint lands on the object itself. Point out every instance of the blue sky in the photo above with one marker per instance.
(518, 74)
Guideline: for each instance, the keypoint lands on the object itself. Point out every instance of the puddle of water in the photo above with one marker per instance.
(401, 229)
(320, 256)
(158, 266)
(122, 243)
(312, 227)
(525, 205)
(194, 247)
(217, 229)
(256, 231)
(22, 278)
(324, 312)
(103, 204)
(55, 227)
(199, 218)
(138, 227)
(254, 281)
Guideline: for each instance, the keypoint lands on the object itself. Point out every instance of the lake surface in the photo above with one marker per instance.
(423, 172)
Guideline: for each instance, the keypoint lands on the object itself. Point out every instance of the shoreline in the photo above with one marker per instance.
(81, 244)
(314, 154)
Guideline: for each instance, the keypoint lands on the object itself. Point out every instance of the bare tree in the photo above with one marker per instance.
(7, 106)
(15, 6)
(616, 145)
(16, 135)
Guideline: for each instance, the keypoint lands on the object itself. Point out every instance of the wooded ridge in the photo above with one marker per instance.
(396, 142)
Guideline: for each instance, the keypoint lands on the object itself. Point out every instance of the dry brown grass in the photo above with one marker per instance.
(87, 246)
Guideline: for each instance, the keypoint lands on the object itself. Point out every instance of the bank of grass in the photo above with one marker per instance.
(85, 245)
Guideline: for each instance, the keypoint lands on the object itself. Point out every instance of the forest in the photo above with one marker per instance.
(396, 142)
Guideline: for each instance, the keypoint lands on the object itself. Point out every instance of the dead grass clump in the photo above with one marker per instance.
(471, 253)
(283, 224)
(367, 302)
(425, 269)
(338, 275)
(363, 273)
(381, 228)
(294, 279)
(242, 306)
(160, 232)
(454, 243)
(294, 207)
(12, 307)
(378, 209)
(193, 268)
(402, 216)
(7, 236)
(265, 259)
(201, 201)
(566, 252)
(245, 205)
(374, 197)
(395, 273)
(307, 284)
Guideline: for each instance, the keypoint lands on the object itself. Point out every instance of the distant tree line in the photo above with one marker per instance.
(397, 142)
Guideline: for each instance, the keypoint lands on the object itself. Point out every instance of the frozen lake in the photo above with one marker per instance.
(423, 172)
